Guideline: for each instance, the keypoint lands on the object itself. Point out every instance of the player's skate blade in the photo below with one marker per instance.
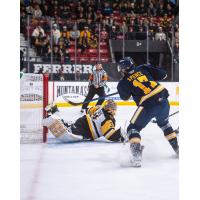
(136, 151)
(125, 157)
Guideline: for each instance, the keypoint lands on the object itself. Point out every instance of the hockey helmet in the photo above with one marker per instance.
(126, 64)
(110, 106)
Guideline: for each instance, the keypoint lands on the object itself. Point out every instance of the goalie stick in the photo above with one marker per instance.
(77, 104)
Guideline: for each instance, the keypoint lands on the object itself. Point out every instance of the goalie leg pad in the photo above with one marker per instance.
(59, 130)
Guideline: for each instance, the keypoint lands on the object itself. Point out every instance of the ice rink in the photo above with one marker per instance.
(91, 170)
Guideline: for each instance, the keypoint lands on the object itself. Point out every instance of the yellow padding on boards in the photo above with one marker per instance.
(30, 106)
(119, 103)
(65, 104)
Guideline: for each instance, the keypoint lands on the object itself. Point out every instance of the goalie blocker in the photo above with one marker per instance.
(97, 122)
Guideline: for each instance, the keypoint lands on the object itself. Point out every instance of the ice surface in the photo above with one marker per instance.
(91, 170)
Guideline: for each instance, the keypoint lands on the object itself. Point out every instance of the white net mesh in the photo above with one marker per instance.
(31, 108)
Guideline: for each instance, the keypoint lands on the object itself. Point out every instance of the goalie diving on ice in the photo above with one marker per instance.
(98, 122)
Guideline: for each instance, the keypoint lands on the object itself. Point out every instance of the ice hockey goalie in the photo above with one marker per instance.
(97, 122)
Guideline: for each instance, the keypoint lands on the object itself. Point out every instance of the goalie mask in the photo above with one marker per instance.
(110, 107)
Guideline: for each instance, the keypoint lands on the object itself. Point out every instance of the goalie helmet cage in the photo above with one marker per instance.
(33, 100)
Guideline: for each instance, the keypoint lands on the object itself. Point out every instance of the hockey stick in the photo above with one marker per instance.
(77, 104)
(154, 121)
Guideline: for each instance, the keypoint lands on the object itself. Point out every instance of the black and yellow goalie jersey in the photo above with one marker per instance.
(97, 123)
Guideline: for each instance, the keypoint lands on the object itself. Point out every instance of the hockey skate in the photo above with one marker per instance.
(176, 149)
(175, 146)
(136, 152)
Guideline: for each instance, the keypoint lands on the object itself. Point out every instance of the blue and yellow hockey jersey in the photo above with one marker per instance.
(142, 84)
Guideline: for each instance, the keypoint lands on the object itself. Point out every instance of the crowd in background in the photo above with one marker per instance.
(73, 19)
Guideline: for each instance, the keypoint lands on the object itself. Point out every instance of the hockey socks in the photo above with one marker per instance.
(171, 136)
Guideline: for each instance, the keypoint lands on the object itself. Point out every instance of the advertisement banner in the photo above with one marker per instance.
(69, 70)
(31, 88)
(81, 89)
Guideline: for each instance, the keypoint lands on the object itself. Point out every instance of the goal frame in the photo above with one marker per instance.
(30, 132)
(45, 103)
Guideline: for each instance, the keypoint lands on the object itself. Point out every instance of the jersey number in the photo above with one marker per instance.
(138, 83)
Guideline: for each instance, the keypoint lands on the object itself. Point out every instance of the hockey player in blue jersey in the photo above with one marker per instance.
(141, 83)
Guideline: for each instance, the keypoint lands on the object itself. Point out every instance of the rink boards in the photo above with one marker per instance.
(78, 90)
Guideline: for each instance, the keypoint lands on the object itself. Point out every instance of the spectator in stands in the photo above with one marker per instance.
(93, 43)
(74, 33)
(36, 32)
(37, 11)
(29, 10)
(23, 21)
(130, 35)
(122, 7)
(141, 24)
(151, 10)
(90, 13)
(130, 8)
(66, 42)
(85, 32)
(104, 34)
(81, 21)
(89, 25)
(132, 23)
(65, 33)
(160, 35)
(84, 42)
(66, 56)
(62, 57)
(56, 54)
(141, 8)
(152, 30)
(169, 10)
(177, 32)
(99, 18)
(66, 13)
(165, 21)
(56, 34)
(160, 10)
(109, 22)
(46, 10)
(41, 43)
(113, 33)
(107, 9)
(141, 34)
(96, 30)
(124, 28)
(61, 44)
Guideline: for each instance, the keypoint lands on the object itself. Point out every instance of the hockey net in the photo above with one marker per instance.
(33, 99)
